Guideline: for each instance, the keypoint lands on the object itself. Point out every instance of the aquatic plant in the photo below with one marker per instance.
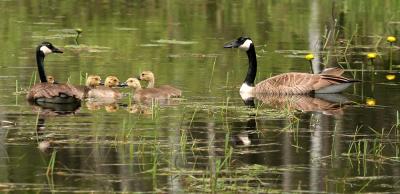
(78, 33)
(391, 40)
(309, 58)
(370, 102)
(390, 77)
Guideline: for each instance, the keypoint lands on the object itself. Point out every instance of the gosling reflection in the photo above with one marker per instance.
(139, 109)
(328, 104)
(98, 105)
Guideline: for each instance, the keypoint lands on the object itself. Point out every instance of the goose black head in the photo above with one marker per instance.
(47, 48)
(242, 43)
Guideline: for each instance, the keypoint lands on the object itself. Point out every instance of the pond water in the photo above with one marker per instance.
(209, 140)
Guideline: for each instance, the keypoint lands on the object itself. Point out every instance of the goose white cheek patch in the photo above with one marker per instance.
(246, 45)
(45, 50)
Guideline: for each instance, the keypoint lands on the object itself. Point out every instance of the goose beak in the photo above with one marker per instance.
(124, 84)
(233, 44)
(56, 50)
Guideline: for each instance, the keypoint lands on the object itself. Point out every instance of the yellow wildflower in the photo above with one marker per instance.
(309, 57)
(391, 39)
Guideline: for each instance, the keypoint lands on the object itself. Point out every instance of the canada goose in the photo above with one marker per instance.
(170, 90)
(144, 94)
(47, 92)
(287, 83)
(106, 92)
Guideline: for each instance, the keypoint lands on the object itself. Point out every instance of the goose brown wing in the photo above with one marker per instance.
(298, 83)
(47, 90)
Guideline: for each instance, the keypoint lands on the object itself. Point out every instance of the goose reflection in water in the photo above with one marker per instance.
(52, 109)
(328, 104)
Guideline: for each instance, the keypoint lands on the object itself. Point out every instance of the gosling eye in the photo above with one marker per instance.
(142, 74)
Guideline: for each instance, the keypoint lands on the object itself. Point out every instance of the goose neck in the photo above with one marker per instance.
(151, 83)
(252, 70)
(40, 65)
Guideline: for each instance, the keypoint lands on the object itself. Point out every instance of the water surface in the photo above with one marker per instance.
(209, 141)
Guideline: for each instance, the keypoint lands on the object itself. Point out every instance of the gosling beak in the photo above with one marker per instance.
(138, 77)
(56, 50)
(124, 84)
(233, 44)
(102, 83)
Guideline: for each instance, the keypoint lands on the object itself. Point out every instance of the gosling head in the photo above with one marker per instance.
(50, 79)
(111, 81)
(111, 107)
(133, 83)
(244, 43)
(46, 48)
(146, 76)
(93, 81)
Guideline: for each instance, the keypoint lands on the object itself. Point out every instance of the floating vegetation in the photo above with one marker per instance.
(125, 29)
(151, 45)
(166, 41)
(87, 48)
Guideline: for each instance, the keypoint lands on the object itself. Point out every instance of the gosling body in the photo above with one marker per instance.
(106, 91)
(171, 91)
(145, 94)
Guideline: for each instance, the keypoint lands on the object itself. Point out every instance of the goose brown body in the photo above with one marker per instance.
(48, 90)
(299, 83)
(168, 89)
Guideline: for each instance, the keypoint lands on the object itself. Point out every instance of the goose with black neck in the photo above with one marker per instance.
(45, 92)
(292, 83)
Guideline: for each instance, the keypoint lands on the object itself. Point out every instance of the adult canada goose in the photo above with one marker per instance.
(146, 93)
(106, 91)
(47, 92)
(170, 90)
(287, 83)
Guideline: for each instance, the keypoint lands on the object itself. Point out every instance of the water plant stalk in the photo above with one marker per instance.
(50, 166)
(390, 56)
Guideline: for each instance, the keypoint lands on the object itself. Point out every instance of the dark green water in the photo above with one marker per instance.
(209, 141)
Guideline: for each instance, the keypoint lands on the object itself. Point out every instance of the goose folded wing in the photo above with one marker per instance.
(298, 83)
(46, 90)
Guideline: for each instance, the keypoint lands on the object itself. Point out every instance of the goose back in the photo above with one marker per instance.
(302, 83)
(54, 93)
